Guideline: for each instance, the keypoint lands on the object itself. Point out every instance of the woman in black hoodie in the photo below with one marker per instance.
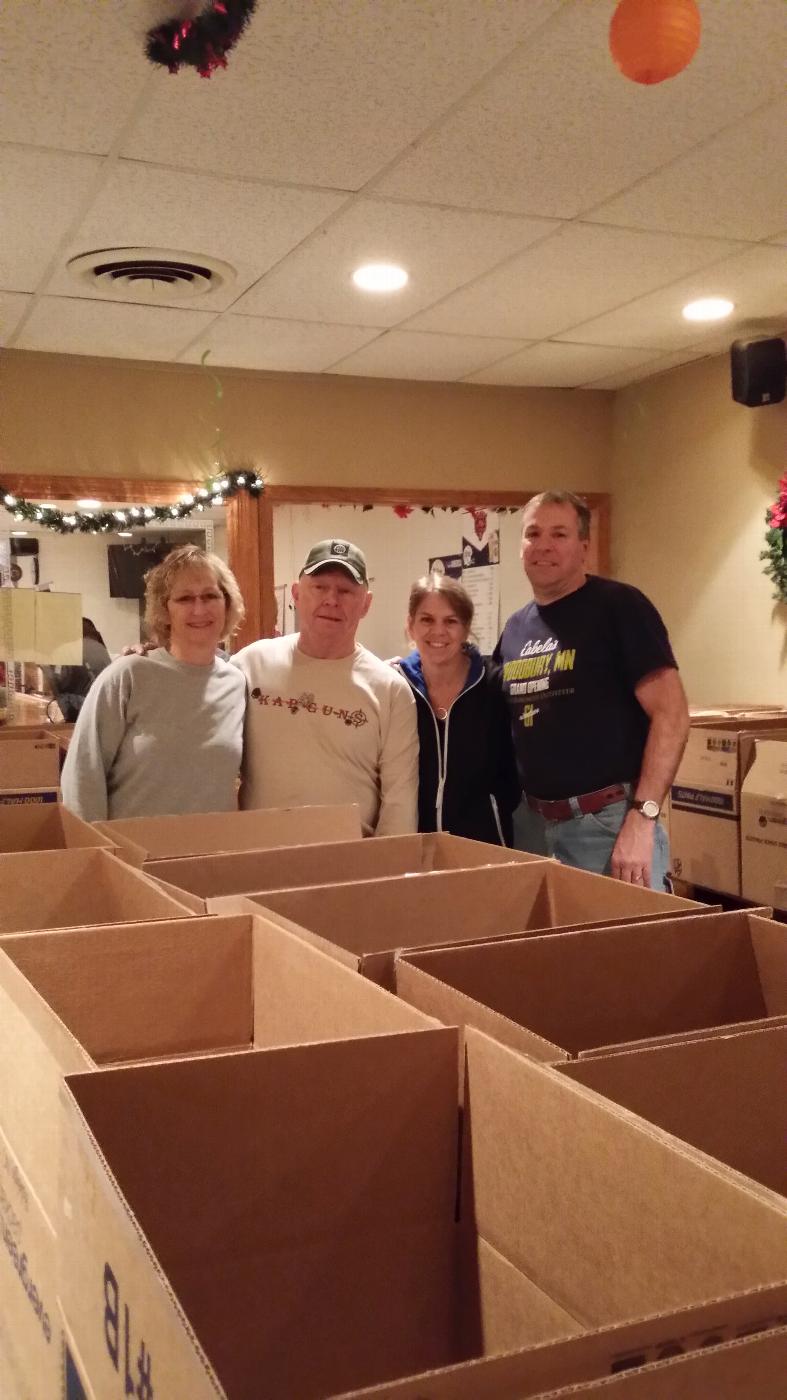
(468, 781)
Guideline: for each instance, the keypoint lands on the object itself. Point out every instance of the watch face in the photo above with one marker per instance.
(649, 809)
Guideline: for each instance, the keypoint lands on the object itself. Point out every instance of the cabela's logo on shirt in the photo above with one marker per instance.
(538, 648)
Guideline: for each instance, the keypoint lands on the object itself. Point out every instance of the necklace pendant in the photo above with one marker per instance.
(442, 713)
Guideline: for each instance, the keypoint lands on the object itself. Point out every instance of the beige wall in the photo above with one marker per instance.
(80, 417)
(693, 473)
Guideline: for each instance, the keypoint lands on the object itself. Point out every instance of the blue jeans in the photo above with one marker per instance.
(586, 842)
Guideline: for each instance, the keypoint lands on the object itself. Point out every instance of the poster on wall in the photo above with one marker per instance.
(481, 578)
(449, 564)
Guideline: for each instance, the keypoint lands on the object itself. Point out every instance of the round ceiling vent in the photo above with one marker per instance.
(150, 274)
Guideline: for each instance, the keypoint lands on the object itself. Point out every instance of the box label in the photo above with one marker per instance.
(12, 1244)
(694, 799)
(130, 1359)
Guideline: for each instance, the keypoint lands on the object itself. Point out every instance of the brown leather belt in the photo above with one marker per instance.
(562, 809)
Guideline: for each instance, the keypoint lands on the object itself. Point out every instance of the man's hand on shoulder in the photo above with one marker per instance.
(139, 649)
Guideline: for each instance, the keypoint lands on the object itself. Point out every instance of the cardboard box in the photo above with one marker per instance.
(96, 996)
(336, 1258)
(92, 997)
(726, 1095)
(719, 1356)
(47, 827)
(704, 823)
(210, 833)
(764, 821)
(335, 862)
(29, 797)
(28, 759)
(66, 889)
(365, 925)
(29, 1323)
(586, 993)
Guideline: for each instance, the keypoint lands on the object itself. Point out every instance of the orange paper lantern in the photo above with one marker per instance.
(651, 40)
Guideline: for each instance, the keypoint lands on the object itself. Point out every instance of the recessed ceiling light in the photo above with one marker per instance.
(125, 534)
(88, 504)
(708, 309)
(380, 277)
(19, 532)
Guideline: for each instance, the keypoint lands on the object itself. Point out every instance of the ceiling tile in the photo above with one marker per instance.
(441, 249)
(42, 195)
(13, 306)
(560, 129)
(255, 342)
(248, 225)
(755, 280)
(648, 370)
(109, 328)
(416, 355)
(730, 186)
(580, 271)
(559, 366)
(72, 72)
(328, 93)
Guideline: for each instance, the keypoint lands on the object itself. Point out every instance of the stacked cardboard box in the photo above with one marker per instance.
(29, 767)
(764, 823)
(705, 798)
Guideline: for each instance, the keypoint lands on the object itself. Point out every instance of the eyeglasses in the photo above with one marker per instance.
(186, 600)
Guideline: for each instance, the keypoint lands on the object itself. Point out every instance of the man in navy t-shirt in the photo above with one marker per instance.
(598, 711)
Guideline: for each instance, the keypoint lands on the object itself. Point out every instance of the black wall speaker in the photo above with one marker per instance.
(759, 371)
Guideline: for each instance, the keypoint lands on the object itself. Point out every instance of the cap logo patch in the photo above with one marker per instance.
(339, 547)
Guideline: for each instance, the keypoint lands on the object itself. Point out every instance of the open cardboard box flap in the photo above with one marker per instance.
(66, 889)
(332, 862)
(335, 1258)
(365, 924)
(589, 991)
(726, 1096)
(96, 996)
(46, 827)
(207, 833)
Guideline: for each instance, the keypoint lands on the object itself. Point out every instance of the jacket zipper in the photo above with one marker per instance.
(442, 753)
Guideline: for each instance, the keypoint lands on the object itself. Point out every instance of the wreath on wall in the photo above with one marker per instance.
(775, 552)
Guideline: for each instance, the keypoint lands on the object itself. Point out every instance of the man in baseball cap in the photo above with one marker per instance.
(337, 554)
(327, 721)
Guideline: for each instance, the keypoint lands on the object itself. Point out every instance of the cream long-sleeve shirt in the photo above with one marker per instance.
(329, 731)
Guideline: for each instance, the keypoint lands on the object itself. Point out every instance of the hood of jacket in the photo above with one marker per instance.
(412, 669)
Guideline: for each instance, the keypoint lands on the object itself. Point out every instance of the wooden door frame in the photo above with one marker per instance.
(250, 520)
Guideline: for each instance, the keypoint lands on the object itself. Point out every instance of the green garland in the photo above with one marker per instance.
(213, 491)
(775, 553)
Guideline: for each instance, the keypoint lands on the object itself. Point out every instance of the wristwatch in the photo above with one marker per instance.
(648, 808)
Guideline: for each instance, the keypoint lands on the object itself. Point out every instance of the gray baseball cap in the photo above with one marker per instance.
(337, 554)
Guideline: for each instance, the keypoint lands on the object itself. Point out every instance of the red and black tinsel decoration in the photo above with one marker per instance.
(203, 42)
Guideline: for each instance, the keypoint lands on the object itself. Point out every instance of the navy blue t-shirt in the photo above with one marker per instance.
(569, 672)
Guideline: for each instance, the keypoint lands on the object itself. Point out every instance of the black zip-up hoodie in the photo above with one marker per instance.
(467, 775)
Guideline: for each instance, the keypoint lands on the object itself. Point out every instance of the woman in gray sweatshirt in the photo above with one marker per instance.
(163, 733)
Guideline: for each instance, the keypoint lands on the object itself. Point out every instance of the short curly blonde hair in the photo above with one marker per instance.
(160, 581)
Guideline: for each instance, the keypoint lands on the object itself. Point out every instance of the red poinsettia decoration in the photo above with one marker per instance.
(403, 511)
(777, 518)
